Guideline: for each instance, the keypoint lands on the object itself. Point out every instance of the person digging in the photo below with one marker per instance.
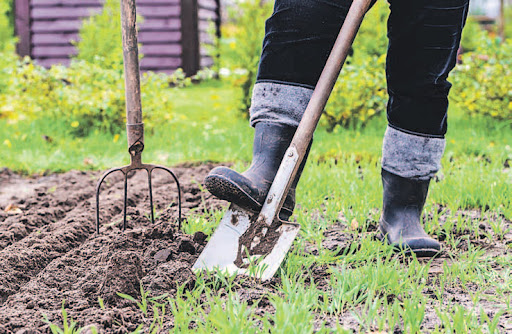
(424, 37)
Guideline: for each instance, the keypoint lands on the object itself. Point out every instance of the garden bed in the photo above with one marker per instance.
(52, 259)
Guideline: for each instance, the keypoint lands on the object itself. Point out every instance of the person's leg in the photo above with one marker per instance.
(424, 37)
(298, 39)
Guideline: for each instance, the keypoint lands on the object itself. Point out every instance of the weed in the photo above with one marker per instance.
(69, 326)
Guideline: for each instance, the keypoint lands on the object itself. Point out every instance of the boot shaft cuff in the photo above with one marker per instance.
(279, 103)
(411, 156)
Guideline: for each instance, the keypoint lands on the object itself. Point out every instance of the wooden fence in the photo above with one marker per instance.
(172, 33)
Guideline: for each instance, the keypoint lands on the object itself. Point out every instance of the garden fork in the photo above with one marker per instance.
(134, 124)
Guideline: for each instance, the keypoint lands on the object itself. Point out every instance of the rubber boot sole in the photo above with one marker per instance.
(408, 251)
(225, 189)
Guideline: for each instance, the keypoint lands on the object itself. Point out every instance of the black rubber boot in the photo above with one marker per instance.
(250, 188)
(403, 202)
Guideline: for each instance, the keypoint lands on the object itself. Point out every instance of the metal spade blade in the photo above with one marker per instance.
(229, 249)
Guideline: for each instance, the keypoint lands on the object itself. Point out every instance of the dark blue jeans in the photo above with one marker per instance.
(424, 36)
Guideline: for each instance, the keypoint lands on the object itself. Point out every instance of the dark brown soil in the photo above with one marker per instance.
(50, 253)
(259, 239)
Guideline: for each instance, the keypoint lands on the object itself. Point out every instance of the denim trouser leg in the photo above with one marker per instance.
(298, 39)
(423, 40)
(424, 37)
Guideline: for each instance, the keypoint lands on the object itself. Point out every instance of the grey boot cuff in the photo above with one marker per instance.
(411, 156)
(279, 103)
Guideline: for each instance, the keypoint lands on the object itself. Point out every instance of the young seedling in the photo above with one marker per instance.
(67, 327)
(413, 313)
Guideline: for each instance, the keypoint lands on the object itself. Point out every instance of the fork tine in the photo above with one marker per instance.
(98, 188)
(125, 198)
(179, 191)
(126, 170)
(151, 196)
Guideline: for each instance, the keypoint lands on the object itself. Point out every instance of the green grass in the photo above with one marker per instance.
(368, 286)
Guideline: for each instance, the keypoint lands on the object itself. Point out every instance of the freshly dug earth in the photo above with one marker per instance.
(51, 257)
(50, 253)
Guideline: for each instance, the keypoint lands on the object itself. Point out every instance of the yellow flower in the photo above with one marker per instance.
(510, 106)
(116, 138)
(232, 45)
(75, 124)
(8, 143)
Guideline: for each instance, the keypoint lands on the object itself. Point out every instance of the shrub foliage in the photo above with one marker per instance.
(90, 97)
(360, 91)
(483, 83)
(6, 24)
(359, 94)
(240, 46)
(100, 37)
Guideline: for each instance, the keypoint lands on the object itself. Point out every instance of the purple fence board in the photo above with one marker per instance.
(56, 26)
(169, 36)
(37, 3)
(158, 62)
(71, 3)
(206, 61)
(160, 24)
(54, 39)
(46, 13)
(161, 50)
(206, 14)
(52, 51)
(204, 25)
(53, 61)
(205, 37)
(160, 11)
(208, 4)
(160, 37)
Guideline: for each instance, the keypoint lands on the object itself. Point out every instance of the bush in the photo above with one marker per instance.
(6, 24)
(360, 92)
(372, 38)
(483, 83)
(90, 97)
(473, 35)
(100, 37)
(240, 46)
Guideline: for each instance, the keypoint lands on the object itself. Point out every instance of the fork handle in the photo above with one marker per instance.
(134, 125)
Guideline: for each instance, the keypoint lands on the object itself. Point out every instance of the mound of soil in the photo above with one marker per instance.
(50, 253)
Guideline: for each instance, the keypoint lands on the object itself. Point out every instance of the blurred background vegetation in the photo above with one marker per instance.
(88, 95)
